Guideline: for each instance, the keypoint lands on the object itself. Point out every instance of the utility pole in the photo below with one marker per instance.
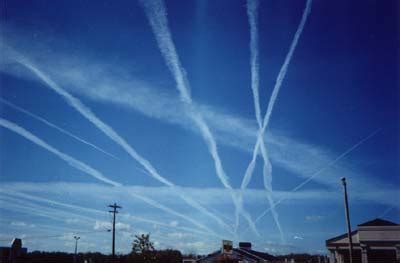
(76, 246)
(114, 211)
(346, 204)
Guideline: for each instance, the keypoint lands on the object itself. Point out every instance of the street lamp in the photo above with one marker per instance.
(76, 246)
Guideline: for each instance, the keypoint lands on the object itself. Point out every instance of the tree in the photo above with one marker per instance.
(142, 244)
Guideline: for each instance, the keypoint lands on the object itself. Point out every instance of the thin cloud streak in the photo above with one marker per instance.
(86, 168)
(86, 78)
(15, 204)
(52, 125)
(156, 14)
(65, 157)
(90, 116)
(173, 212)
(284, 68)
(211, 197)
(333, 162)
(81, 209)
(252, 13)
(107, 130)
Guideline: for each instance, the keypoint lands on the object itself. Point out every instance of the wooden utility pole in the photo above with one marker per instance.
(76, 247)
(346, 204)
(114, 211)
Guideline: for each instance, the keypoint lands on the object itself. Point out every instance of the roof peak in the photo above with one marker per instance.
(378, 222)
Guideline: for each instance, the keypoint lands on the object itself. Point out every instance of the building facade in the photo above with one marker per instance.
(376, 241)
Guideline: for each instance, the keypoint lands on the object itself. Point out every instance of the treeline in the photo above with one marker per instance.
(156, 256)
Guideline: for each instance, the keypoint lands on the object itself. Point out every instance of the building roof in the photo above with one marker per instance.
(367, 233)
(247, 253)
(256, 254)
(378, 222)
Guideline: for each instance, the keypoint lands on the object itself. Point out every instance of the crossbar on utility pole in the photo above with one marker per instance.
(346, 204)
(114, 211)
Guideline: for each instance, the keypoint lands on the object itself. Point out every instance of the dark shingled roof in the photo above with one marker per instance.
(254, 254)
(378, 222)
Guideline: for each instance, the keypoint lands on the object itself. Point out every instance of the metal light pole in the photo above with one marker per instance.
(76, 246)
(346, 204)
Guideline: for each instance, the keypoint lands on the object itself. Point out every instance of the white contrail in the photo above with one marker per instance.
(30, 207)
(86, 168)
(173, 212)
(90, 116)
(333, 162)
(70, 160)
(90, 210)
(15, 107)
(156, 14)
(282, 73)
(252, 13)
(285, 65)
(107, 130)
(278, 83)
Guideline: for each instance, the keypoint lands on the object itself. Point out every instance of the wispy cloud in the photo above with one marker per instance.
(299, 186)
(89, 170)
(79, 214)
(313, 218)
(213, 197)
(107, 130)
(90, 116)
(156, 14)
(86, 77)
(106, 225)
(59, 211)
(301, 158)
(52, 125)
(65, 157)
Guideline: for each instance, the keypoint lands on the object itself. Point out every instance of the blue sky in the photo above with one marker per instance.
(150, 105)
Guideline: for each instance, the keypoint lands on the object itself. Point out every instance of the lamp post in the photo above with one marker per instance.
(76, 246)
(346, 204)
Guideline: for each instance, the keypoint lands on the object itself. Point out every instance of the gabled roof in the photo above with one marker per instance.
(337, 238)
(378, 222)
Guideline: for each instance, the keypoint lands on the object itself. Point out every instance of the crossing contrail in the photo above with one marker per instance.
(252, 13)
(277, 86)
(52, 125)
(156, 14)
(88, 169)
(333, 162)
(108, 131)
